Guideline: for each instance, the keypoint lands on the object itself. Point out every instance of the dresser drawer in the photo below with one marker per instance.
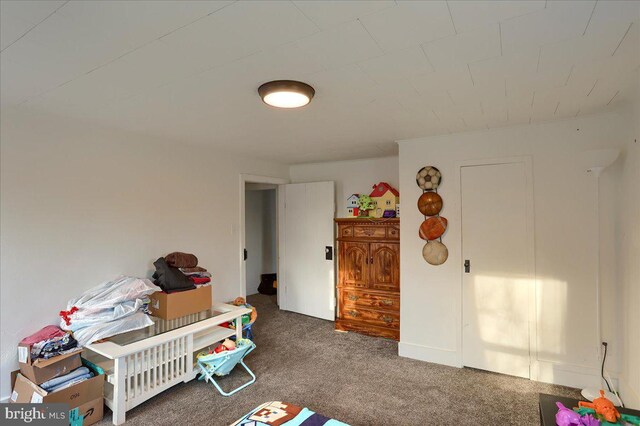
(346, 231)
(369, 232)
(370, 300)
(371, 316)
(393, 233)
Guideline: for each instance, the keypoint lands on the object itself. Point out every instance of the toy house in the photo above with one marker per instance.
(385, 197)
(352, 205)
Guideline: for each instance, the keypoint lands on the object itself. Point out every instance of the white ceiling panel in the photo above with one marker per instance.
(240, 29)
(402, 64)
(470, 15)
(560, 20)
(613, 13)
(455, 77)
(342, 45)
(382, 70)
(17, 17)
(461, 49)
(409, 24)
(326, 14)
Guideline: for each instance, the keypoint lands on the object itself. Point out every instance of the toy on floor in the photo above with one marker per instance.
(603, 407)
(221, 364)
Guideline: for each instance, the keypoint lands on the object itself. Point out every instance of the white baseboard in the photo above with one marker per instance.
(571, 375)
(4, 399)
(630, 396)
(429, 354)
(575, 376)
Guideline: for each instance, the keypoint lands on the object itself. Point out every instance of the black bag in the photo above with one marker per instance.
(170, 279)
(266, 284)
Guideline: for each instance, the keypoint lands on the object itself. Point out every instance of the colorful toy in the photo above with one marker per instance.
(365, 203)
(567, 417)
(247, 319)
(384, 197)
(603, 407)
(352, 205)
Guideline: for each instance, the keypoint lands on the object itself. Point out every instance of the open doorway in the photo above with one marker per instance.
(261, 204)
(260, 235)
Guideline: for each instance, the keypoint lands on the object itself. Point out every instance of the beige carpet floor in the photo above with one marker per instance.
(357, 379)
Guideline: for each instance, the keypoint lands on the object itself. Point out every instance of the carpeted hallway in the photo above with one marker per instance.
(356, 379)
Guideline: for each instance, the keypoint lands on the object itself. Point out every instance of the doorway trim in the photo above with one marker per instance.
(249, 178)
(527, 160)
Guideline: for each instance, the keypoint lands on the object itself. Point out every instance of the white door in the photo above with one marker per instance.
(309, 287)
(496, 288)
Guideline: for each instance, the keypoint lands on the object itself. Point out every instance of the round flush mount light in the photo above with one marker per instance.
(286, 93)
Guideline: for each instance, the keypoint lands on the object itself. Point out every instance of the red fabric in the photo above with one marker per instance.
(45, 333)
(200, 280)
(380, 189)
(65, 315)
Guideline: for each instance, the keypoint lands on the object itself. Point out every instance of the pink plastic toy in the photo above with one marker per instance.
(567, 417)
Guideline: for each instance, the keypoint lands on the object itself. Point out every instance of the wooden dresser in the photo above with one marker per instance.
(369, 276)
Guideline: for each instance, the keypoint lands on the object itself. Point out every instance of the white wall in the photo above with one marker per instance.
(260, 235)
(356, 176)
(628, 233)
(565, 253)
(80, 205)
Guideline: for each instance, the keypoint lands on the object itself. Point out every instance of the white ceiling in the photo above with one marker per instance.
(382, 70)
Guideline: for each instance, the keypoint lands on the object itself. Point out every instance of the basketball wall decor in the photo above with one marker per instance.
(430, 203)
(429, 179)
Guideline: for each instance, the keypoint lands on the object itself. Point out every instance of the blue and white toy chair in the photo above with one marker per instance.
(222, 363)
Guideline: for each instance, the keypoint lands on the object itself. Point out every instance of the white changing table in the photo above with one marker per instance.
(142, 363)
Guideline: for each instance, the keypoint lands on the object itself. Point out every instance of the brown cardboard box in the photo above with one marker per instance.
(91, 412)
(179, 304)
(83, 397)
(41, 370)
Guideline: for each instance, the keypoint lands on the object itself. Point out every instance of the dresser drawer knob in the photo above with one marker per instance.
(352, 297)
(387, 302)
(387, 319)
(354, 314)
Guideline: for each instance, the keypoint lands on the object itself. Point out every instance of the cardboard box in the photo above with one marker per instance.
(84, 399)
(41, 370)
(179, 304)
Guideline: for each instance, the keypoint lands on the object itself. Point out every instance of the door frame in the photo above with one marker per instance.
(249, 178)
(531, 261)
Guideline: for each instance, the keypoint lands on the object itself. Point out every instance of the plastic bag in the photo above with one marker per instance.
(79, 319)
(135, 321)
(106, 302)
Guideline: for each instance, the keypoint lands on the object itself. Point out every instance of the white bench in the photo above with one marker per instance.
(161, 358)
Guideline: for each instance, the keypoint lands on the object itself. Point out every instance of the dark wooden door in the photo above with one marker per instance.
(384, 263)
(354, 263)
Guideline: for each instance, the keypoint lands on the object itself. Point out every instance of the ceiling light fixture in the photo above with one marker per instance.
(286, 93)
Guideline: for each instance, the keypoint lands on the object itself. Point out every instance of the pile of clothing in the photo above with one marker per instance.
(108, 309)
(76, 376)
(49, 342)
(179, 271)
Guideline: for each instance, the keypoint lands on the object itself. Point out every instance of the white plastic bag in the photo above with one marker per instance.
(106, 302)
(135, 321)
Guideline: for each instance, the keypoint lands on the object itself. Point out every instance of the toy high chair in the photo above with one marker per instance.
(222, 363)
